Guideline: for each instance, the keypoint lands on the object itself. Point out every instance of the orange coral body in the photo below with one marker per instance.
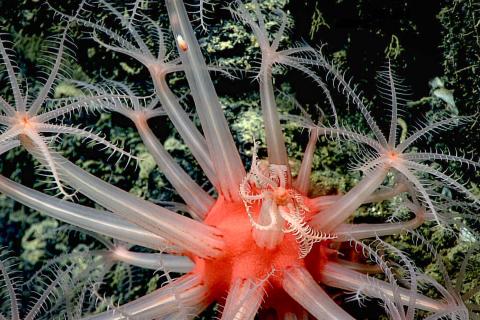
(244, 259)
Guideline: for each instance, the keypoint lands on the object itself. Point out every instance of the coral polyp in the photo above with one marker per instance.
(250, 237)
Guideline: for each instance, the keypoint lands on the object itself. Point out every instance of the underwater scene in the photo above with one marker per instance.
(241, 159)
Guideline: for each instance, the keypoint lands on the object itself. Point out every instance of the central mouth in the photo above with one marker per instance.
(24, 120)
(280, 196)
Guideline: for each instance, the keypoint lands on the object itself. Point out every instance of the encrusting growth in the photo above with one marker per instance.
(258, 245)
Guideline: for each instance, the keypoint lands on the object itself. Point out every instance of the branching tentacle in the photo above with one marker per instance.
(427, 129)
(17, 93)
(6, 107)
(44, 92)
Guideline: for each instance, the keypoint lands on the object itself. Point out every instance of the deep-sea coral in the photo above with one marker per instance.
(258, 243)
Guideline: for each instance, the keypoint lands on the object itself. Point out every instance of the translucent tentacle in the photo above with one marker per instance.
(281, 30)
(9, 145)
(438, 125)
(191, 235)
(300, 285)
(6, 107)
(345, 88)
(442, 176)
(195, 197)
(47, 292)
(17, 93)
(421, 190)
(302, 183)
(349, 135)
(11, 289)
(42, 95)
(47, 155)
(387, 193)
(84, 217)
(277, 153)
(131, 29)
(10, 133)
(186, 128)
(243, 300)
(393, 97)
(223, 152)
(296, 63)
(83, 103)
(359, 231)
(431, 156)
(154, 261)
(339, 211)
(183, 292)
(335, 275)
(322, 202)
(53, 128)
